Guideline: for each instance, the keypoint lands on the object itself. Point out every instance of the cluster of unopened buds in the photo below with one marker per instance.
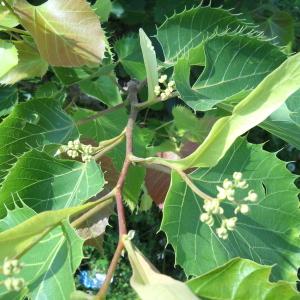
(168, 87)
(9, 269)
(75, 149)
(212, 207)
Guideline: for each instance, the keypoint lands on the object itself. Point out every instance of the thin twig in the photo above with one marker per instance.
(111, 270)
(185, 177)
(132, 99)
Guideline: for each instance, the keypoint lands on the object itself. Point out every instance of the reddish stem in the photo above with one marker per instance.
(132, 98)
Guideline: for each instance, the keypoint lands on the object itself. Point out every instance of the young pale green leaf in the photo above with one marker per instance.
(268, 234)
(150, 63)
(149, 283)
(241, 279)
(8, 99)
(182, 32)
(30, 65)
(67, 33)
(266, 98)
(130, 56)
(18, 239)
(7, 18)
(50, 264)
(103, 9)
(9, 56)
(33, 124)
(44, 182)
(234, 64)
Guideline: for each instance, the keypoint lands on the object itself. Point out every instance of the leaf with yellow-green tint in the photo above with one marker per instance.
(30, 65)
(9, 56)
(149, 283)
(150, 63)
(7, 18)
(67, 33)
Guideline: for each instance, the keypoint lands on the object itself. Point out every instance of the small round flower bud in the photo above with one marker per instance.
(204, 217)
(222, 233)
(70, 144)
(237, 176)
(14, 284)
(227, 184)
(252, 196)
(171, 83)
(162, 78)
(231, 223)
(244, 209)
(242, 184)
(157, 88)
(222, 193)
(70, 153)
(163, 96)
(210, 222)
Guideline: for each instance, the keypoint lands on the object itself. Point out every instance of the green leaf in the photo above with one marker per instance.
(9, 56)
(8, 99)
(150, 63)
(104, 88)
(234, 64)
(47, 90)
(285, 121)
(18, 239)
(33, 124)
(268, 234)
(51, 263)
(7, 18)
(66, 33)
(266, 98)
(130, 56)
(103, 9)
(30, 65)
(241, 279)
(149, 283)
(187, 30)
(191, 127)
(44, 182)
(69, 76)
(279, 26)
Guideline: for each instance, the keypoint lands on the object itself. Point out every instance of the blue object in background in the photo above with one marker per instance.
(92, 283)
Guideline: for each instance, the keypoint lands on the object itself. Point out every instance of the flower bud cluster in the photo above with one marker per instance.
(14, 284)
(10, 268)
(75, 149)
(165, 92)
(212, 207)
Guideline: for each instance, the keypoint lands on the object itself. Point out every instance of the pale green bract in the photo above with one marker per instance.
(50, 264)
(266, 98)
(150, 63)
